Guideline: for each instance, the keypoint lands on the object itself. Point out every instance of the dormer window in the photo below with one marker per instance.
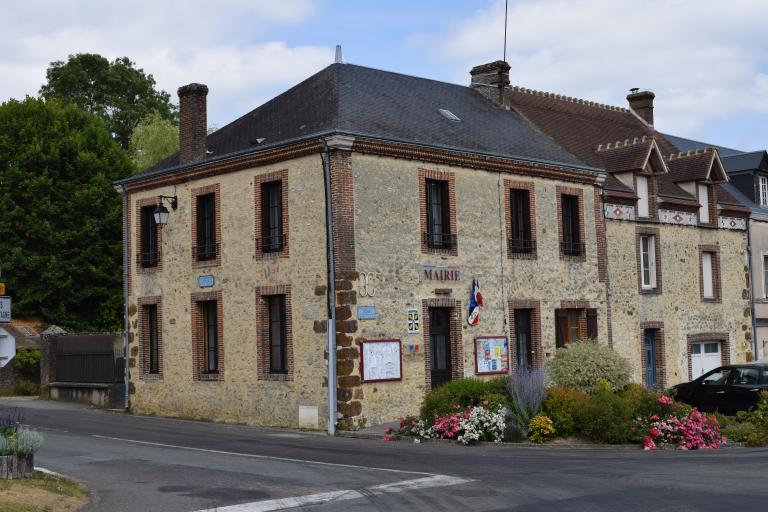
(763, 191)
(643, 209)
(703, 193)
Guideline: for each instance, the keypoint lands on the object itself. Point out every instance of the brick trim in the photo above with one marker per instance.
(716, 285)
(144, 373)
(258, 181)
(642, 231)
(201, 191)
(725, 347)
(660, 349)
(262, 332)
(343, 200)
(579, 193)
(450, 178)
(601, 238)
(141, 203)
(509, 186)
(198, 348)
(457, 345)
(536, 347)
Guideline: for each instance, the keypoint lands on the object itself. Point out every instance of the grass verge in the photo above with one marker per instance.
(42, 493)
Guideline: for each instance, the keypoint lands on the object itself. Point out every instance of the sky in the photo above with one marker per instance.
(706, 60)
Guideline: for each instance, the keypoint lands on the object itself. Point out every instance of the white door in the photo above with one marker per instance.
(705, 356)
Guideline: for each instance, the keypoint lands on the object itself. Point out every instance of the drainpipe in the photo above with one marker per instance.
(126, 261)
(600, 184)
(751, 287)
(331, 286)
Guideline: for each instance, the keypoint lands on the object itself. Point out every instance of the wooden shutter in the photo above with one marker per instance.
(642, 194)
(704, 202)
(561, 327)
(592, 323)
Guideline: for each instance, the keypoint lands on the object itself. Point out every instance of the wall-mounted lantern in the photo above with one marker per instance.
(161, 212)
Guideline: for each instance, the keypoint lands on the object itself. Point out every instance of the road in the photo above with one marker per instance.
(136, 463)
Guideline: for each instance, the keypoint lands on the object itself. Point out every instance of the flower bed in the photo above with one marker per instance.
(17, 448)
(688, 431)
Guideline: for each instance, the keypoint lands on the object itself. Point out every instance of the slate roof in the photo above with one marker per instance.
(746, 161)
(684, 144)
(357, 100)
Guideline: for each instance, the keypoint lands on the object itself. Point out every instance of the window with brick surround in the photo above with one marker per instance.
(210, 335)
(521, 240)
(567, 326)
(278, 345)
(272, 216)
(438, 215)
(571, 242)
(648, 262)
(206, 227)
(149, 255)
(704, 207)
(150, 337)
(709, 271)
(153, 334)
(207, 336)
(643, 204)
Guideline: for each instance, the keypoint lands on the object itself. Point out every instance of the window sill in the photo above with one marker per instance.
(279, 377)
(650, 291)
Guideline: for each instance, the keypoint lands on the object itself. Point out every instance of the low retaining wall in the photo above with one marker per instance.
(16, 466)
(98, 395)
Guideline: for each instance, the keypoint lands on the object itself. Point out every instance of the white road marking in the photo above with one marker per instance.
(264, 457)
(349, 494)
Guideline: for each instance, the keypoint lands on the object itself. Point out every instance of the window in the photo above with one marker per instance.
(718, 378)
(521, 240)
(642, 194)
(272, 236)
(524, 348)
(763, 191)
(571, 229)
(648, 262)
(150, 310)
(149, 256)
(210, 335)
(708, 288)
(438, 215)
(278, 346)
(765, 275)
(704, 203)
(566, 326)
(591, 315)
(746, 376)
(206, 248)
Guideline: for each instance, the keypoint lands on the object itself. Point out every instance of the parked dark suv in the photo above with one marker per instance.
(727, 389)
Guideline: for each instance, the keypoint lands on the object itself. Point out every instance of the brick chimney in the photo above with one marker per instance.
(193, 122)
(491, 79)
(641, 102)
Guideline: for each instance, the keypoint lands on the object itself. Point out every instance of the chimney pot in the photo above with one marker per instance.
(486, 77)
(642, 104)
(193, 122)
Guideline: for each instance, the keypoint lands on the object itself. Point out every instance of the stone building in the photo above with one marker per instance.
(432, 187)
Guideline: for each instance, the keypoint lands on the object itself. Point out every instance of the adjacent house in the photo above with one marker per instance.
(374, 203)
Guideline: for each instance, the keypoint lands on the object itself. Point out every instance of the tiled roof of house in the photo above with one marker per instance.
(625, 156)
(362, 101)
(690, 166)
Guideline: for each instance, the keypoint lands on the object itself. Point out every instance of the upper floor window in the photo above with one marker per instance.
(763, 191)
(272, 236)
(438, 215)
(703, 191)
(148, 255)
(521, 240)
(648, 262)
(643, 209)
(206, 248)
(571, 243)
(708, 275)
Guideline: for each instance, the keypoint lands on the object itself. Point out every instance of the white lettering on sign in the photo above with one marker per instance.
(439, 273)
(5, 310)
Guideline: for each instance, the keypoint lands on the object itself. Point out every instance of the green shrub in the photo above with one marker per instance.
(540, 429)
(26, 364)
(606, 417)
(27, 442)
(494, 401)
(563, 406)
(757, 438)
(581, 365)
(443, 399)
(497, 386)
(24, 388)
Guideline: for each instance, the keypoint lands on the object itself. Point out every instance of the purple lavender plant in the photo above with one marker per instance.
(527, 393)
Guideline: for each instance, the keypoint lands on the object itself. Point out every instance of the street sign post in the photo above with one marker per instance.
(5, 310)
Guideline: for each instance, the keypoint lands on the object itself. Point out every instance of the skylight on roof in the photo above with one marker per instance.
(449, 115)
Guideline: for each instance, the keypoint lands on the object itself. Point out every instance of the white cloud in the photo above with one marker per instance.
(705, 60)
(226, 44)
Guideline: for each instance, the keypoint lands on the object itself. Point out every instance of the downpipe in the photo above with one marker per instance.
(331, 287)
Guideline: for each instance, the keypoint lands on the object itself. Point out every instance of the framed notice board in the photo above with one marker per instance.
(491, 355)
(381, 360)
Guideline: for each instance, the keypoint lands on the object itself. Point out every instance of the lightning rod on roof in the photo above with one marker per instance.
(506, 10)
(337, 59)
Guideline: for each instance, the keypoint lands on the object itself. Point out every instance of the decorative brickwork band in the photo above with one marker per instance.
(535, 340)
(201, 191)
(578, 251)
(258, 182)
(262, 332)
(457, 345)
(342, 197)
(659, 350)
(520, 249)
(144, 337)
(720, 337)
(449, 178)
(198, 339)
(141, 252)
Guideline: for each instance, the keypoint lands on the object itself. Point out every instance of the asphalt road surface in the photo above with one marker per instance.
(135, 463)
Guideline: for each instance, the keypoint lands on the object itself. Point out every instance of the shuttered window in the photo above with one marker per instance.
(642, 194)
(566, 326)
(704, 203)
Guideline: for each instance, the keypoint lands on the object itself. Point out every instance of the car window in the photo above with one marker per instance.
(717, 378)
(746, 376)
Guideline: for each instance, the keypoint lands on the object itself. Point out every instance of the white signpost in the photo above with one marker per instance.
(5, 310)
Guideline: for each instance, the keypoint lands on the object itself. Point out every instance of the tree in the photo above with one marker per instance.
(153, 139)
(60, 227)
(115, 91)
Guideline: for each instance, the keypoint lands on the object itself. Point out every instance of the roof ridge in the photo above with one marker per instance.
(637, 141)
(690, 152)
(570, 99)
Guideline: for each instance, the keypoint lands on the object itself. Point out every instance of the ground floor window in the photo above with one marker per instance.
(523, 334)
(573, 324)
(440, 345)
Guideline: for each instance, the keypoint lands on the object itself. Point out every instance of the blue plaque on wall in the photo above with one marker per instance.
(205, 281)
(366, 312)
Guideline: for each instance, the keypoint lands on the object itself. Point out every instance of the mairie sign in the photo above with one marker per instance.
(441, 273)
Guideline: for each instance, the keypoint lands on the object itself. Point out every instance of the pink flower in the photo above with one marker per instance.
(386, 439)
(665, 400)
(654, 432)
(388, 431)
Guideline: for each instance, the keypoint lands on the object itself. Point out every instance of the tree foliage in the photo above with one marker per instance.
(153, 139)
(115, 91)
(60, 228)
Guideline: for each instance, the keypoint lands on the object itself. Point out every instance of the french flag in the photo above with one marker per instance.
(475, 303)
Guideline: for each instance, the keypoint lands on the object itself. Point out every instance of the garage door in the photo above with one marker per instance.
(705, 356)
